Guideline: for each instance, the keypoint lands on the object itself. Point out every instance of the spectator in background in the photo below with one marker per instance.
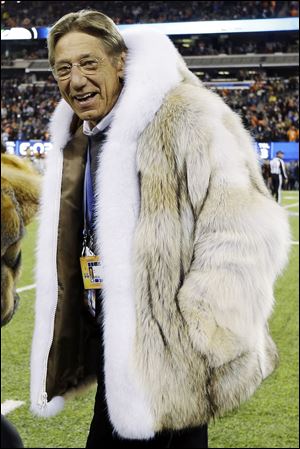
(293, 134)
(296, 174)
(294, 9)
(293, 175)
(278, 174)
(291, 181)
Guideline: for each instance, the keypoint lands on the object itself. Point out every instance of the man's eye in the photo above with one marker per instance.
(63, 69)
(89, 64)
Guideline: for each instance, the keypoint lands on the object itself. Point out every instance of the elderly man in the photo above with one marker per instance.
(153, 186)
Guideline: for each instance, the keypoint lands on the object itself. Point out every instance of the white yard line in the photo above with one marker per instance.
(291, 205)
(27, 287)
(10, 405)
(295, 243)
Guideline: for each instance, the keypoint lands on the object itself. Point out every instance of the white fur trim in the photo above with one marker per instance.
(50, 408)
(46, 274)
(150, 73)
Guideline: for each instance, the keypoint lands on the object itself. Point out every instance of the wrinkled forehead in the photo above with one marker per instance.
(76, 45)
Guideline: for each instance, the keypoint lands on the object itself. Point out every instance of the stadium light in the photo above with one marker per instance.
(186, 28)
(221, 26)
(16, 33)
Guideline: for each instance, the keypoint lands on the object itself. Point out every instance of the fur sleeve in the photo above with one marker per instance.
(240, 245)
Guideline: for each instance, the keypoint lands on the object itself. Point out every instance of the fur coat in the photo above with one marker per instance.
(20, 189)
(191, 244)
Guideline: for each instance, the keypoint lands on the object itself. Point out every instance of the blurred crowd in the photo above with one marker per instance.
(269, 108)
(234, 46)
(7, 57)
(39, 13)
(26, 109)
(197, 46)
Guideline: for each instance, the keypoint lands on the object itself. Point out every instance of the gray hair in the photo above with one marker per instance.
(91, 22)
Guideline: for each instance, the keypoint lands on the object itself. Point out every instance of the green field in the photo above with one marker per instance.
(269, 419)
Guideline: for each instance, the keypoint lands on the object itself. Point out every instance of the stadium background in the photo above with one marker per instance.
(256, 72)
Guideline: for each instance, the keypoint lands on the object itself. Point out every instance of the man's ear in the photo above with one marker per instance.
(121, 64)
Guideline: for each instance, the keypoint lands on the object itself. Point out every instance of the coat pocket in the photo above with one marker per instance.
(219, 344)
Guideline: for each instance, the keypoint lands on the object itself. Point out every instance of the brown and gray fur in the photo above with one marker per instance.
(202, 261)
(20, 186)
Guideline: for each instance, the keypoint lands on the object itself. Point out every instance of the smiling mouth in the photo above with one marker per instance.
(85, 97)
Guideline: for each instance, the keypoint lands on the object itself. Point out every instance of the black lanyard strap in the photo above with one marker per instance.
(88, 195)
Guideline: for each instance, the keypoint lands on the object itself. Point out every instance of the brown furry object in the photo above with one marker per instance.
(20, 186)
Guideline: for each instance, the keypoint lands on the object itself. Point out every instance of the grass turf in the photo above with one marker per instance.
(268, 420)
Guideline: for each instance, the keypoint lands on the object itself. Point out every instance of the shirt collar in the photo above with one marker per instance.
(104, 122)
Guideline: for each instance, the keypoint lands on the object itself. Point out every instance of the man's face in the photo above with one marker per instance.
(104, 84)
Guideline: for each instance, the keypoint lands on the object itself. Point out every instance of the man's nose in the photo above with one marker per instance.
(77, 79)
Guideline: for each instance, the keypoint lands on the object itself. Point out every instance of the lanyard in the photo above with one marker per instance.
(88, 195)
